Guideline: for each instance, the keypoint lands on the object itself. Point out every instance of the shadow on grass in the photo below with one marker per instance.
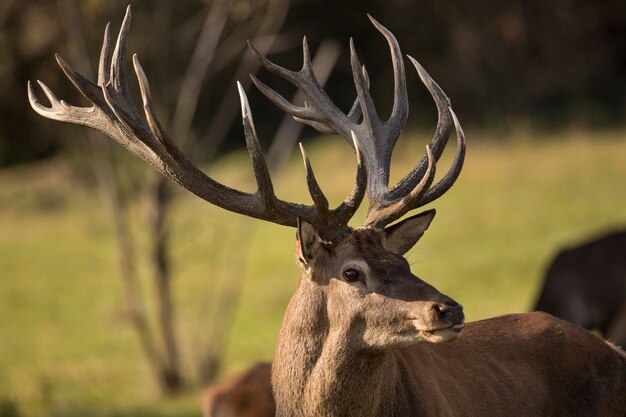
(131, 412)
(10, 408)
(150, 412)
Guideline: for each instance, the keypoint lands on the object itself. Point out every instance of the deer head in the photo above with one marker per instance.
(358, 277)
(369, 289)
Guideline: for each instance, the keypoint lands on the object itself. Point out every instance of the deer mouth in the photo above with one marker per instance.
(443, 334)
(457, 328)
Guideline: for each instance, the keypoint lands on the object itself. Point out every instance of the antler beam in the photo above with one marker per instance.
(375, 138)
(114, 114)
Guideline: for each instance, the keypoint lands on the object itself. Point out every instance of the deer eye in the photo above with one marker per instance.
(351, 275)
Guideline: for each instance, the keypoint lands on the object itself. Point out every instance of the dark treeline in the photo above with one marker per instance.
(552, 64)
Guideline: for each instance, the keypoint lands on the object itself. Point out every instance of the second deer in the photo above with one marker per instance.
(246, 394)
(586, 285)
(362, 335)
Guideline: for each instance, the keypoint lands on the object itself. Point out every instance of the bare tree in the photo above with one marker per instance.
(158, 335)
(162, 355)
(135, 309)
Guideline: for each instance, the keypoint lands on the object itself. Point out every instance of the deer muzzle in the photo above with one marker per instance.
(447, 322)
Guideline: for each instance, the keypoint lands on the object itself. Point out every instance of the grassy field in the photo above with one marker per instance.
(66, 350)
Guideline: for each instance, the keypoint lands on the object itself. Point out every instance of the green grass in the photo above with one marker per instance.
(66, 350)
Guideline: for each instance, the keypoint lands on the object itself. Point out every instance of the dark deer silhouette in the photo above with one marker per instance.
(586, 285)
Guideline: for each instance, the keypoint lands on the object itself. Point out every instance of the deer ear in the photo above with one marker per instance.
(401, 237)
(308, 242)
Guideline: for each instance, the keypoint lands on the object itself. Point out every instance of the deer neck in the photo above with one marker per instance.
(315, 373)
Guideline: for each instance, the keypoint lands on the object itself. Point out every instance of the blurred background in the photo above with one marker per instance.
(122, 295)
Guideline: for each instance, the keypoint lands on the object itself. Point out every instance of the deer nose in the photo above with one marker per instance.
(451, 312)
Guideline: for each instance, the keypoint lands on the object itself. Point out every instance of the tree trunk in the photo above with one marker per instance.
(160, 196)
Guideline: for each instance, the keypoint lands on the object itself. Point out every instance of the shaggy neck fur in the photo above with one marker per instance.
(315, 374)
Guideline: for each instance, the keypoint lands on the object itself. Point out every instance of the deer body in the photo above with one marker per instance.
(246, 394)
(480, 374)
(523, 365)
(363, 336)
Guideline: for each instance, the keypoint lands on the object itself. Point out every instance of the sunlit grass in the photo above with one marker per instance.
(66, 349)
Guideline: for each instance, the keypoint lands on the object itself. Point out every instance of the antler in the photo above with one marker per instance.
(114, 114)
(376, 138)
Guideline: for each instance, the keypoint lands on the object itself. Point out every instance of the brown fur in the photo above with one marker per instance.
(246, 394)
(341, 350)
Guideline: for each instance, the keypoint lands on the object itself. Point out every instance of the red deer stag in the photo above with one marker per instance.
(586, 285)
(362, 335)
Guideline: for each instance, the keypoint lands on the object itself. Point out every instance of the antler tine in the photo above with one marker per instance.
(355, 112)
(87, 88)
(55, 111)
(306, 56)
(116, 91)
(290, 76)
(93, 117)
(118, 64)
(261, 172)
(105, 59)
(153, 121)
(346, 210)
(400, 109)
(340, 216)
(370, 117)
(353, 115)
(379, 217)
(299, 112)
(422, 193)
(319, 112)
(440, 138)
(451, 176)
(54, 101)
(350, 205)
(319, 199)
(114, 114)
(320, 127)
